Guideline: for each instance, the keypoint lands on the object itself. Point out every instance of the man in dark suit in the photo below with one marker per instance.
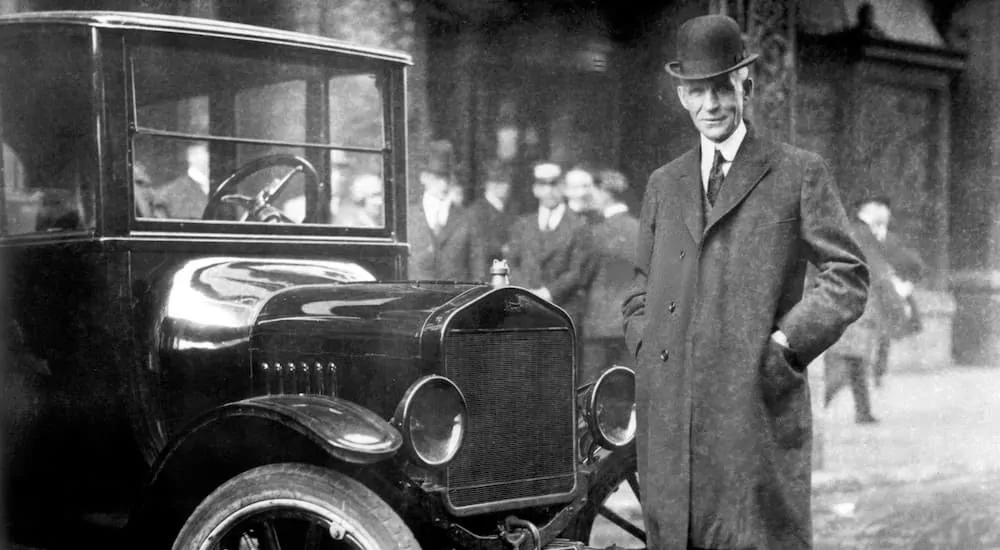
(548, 248)
(611, 268)
(721, 320)
(444, 241)
(491, 211)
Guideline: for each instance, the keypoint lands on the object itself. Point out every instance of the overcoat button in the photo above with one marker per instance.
(671, 307)
(664, 355)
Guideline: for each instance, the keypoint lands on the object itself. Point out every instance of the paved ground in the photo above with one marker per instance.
(927, 477)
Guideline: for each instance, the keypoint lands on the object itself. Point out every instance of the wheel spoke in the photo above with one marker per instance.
(623, 523)
(270, 536)
(314, 537)
(633, 482)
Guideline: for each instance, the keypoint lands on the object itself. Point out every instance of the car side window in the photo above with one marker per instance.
(209, 123)
(47, 125)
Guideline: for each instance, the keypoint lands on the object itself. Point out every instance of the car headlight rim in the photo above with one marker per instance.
(403, 420)
(593, 411)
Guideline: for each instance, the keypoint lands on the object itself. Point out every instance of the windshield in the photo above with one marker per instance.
(243, 133)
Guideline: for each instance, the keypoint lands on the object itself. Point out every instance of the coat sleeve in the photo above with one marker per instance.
(839, 291)
(512, 248)
(575, 276)
(634, 304)
(475, 242)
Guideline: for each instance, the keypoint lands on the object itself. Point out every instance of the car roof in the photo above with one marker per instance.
(202, 27)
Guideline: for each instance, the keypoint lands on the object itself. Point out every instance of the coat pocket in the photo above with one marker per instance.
(775, 223)
(786, 397)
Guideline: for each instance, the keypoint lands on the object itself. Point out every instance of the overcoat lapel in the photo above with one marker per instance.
(689, 193)
(559, 238)
(751, 164)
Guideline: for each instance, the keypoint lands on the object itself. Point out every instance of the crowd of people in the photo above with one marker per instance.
(575, 248)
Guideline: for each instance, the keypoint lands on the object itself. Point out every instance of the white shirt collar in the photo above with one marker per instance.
(494, 201)
(436, 210)
(549, 219)
(199, 178)
(614, 209)
(728, 148)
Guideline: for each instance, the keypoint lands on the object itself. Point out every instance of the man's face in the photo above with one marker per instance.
(579, 188)
(499, 189)
(549, 195)
(434, 185)
(715, 105)
(877, 216)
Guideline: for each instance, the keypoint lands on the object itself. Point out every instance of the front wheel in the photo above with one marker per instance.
(613, 513)
(294, 506)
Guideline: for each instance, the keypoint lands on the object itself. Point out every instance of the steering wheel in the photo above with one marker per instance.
(259, 208)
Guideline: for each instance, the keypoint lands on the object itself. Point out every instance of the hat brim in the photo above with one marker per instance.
(673, 68)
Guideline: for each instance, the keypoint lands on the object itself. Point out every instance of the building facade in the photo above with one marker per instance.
(899, 95)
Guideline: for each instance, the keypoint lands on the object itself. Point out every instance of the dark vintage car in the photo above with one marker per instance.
(209, 341)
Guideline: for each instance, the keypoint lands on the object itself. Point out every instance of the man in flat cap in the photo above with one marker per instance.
(720, 317)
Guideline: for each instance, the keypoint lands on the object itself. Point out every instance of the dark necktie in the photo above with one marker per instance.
(715, 177)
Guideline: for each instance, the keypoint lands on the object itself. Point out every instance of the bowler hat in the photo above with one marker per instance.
(709, 46)
(497, 171)
(439, 158)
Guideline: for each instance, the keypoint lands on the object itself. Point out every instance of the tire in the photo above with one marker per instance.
(291, 506)
(604, 521)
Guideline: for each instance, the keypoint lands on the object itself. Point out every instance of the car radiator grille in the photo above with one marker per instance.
(519, 388)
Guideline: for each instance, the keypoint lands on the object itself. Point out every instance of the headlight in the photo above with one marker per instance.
(610, 408)
(432, 417)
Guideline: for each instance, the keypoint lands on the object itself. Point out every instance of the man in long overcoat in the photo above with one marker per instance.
(445, 243)
(721, 320)
(491, 212)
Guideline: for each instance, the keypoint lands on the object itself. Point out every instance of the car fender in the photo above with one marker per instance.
(344, 430)
(241, 435)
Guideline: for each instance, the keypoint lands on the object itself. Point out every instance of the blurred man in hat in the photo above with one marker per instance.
(491, 210)
(907, 270)
(721, 320)
(614, 234)
(548, 248)
(444, 241)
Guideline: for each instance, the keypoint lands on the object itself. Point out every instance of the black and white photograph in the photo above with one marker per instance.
(500, 274)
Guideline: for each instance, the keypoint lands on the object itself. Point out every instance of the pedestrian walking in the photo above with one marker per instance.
(908, 270)
(721, 321)
(548, 249)
(444, 241)
(612, 258)
(851, 359)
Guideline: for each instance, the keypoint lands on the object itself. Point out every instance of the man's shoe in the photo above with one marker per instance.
(865, 419)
